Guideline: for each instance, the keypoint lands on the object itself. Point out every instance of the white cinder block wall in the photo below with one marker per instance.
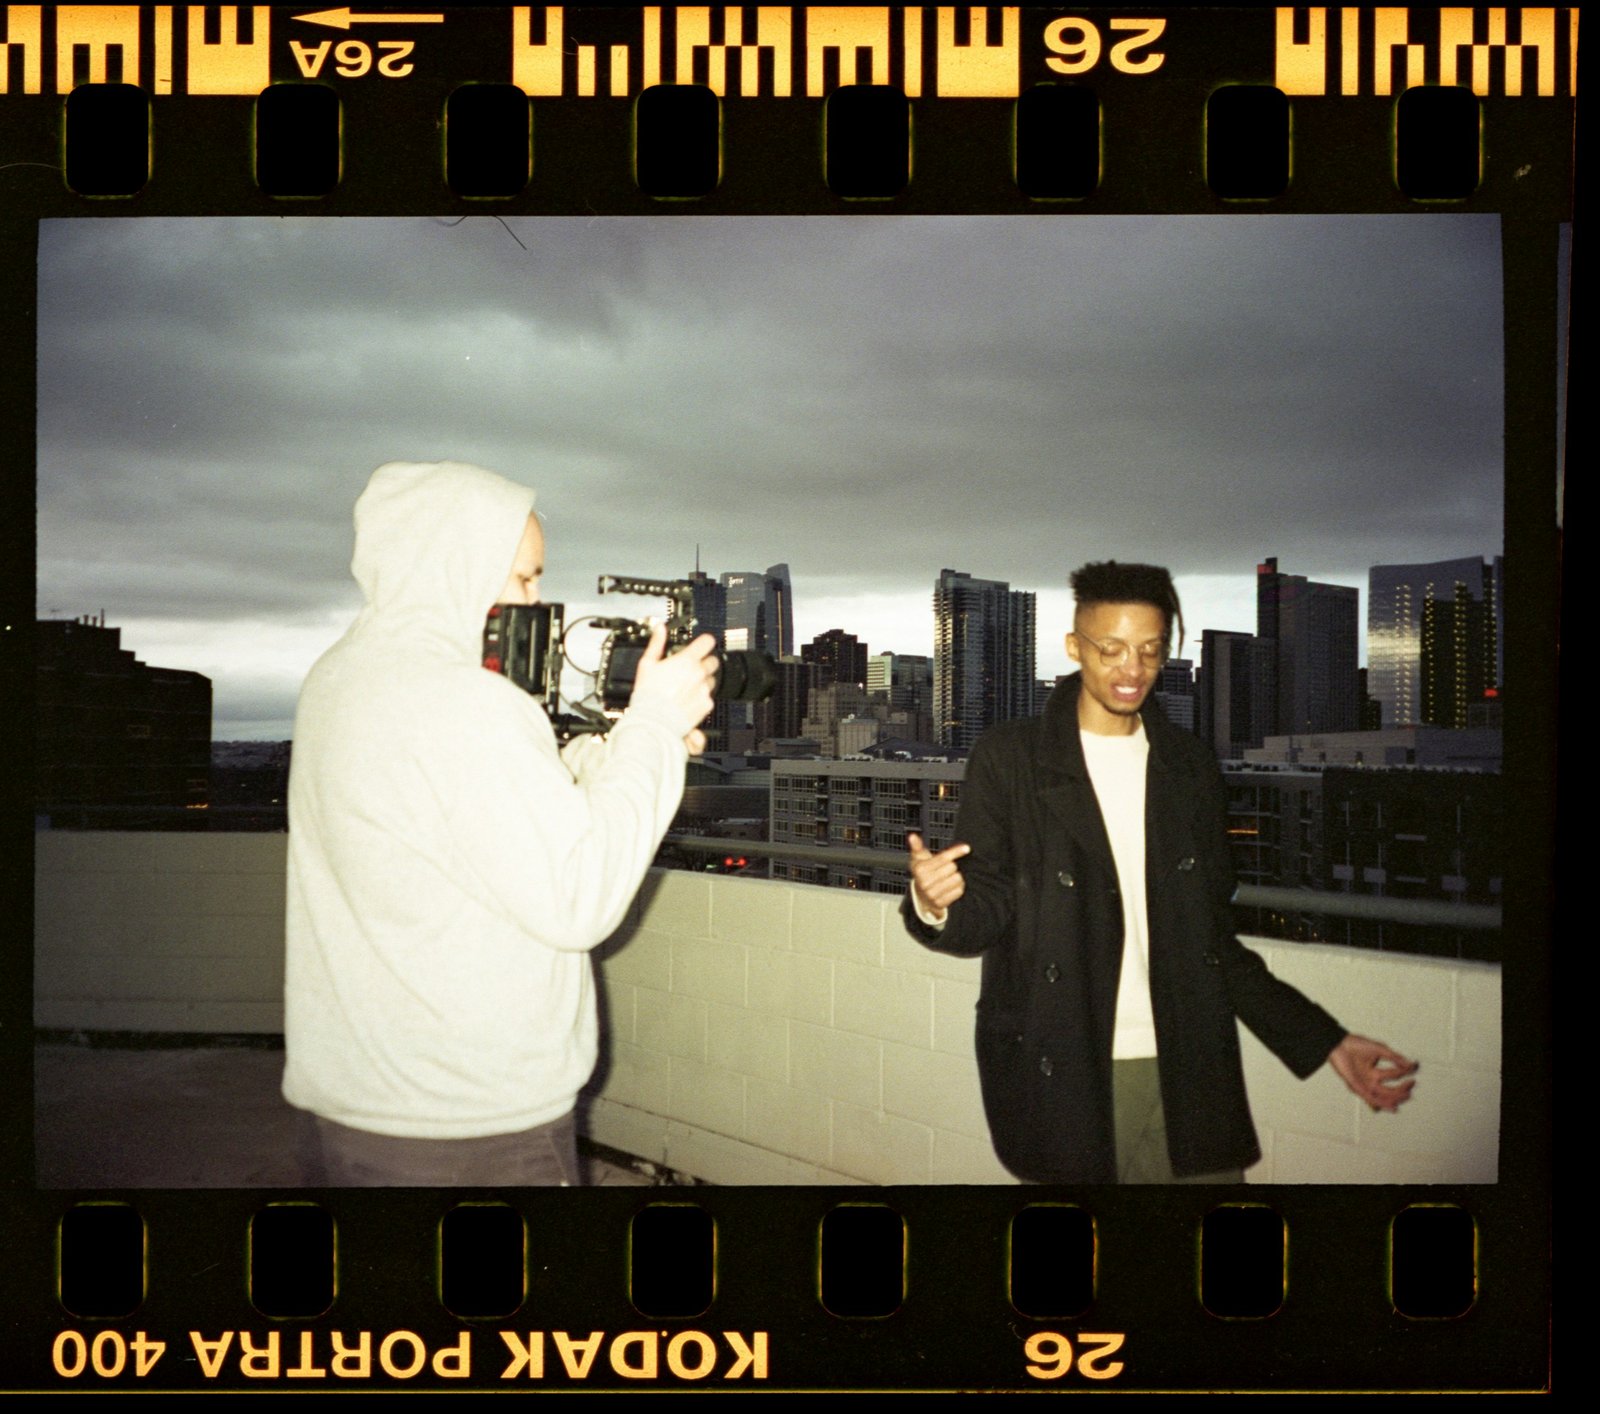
(763, 1032)
(1444, 1014)
(847, 1055)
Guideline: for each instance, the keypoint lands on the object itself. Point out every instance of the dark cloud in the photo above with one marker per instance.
(868, 399)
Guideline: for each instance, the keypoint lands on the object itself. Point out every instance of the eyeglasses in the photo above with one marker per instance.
(1114, 652)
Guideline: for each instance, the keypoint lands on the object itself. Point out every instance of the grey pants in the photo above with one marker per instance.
(1141, 1128)
(336, 1156)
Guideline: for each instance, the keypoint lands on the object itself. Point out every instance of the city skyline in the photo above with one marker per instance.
(1192, 657)
(866, 400)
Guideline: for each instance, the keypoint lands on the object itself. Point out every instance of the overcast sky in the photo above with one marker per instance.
(870, 399)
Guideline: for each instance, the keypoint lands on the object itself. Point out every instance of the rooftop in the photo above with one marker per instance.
(756, 1032)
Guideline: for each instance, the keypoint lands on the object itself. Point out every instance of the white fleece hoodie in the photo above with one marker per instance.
(448, 869)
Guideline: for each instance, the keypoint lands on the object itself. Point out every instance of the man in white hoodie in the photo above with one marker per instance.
(449, 867)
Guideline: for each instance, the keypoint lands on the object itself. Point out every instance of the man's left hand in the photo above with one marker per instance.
(1374, 1073)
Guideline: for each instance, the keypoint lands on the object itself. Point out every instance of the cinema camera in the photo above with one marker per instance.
(527, 644)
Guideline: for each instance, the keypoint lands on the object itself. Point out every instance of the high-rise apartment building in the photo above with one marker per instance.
(1434, 648)
(1314, 628)
(984, 650)
(862, 805)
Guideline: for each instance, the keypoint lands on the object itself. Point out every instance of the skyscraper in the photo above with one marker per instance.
(760, 610)
(1434, 639)
(758, 617)
(880, 673)
(983, 655)
(711, 616)
(1236, 691)
(1174, 690)
(903, 679)
(839, 656)
(782, 714)
(1314, 629)
(901, 687)
(745, 610)
(778, 596)
(710, 606)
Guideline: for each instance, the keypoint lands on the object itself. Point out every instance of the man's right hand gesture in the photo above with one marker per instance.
(936, 881)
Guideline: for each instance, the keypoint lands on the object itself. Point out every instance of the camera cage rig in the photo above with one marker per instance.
(526, 643)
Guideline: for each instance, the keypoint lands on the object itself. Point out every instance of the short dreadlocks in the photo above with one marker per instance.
(1109, 582)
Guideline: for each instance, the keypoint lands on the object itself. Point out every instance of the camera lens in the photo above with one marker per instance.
(745, 677)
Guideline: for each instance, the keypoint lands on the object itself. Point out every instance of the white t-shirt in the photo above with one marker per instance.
(1117, 767)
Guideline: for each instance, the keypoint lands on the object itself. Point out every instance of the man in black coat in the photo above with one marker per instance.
(1106, 1041)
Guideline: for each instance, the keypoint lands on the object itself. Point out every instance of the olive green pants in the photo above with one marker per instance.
(1141, 1128)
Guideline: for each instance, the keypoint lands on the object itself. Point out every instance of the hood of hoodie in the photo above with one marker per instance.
(434, 544)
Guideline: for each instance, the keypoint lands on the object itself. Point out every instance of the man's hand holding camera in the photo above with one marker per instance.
(935, 878)
(680, 682)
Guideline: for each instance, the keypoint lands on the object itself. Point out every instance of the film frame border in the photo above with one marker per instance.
(202, 167)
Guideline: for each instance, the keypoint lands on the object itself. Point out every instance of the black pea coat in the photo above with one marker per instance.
(1042, 908)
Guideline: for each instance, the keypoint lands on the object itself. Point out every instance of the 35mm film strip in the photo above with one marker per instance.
(855, 114)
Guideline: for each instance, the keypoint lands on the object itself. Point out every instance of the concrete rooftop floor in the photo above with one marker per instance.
(185, 1117)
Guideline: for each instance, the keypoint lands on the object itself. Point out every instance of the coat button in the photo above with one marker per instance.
(1066, 880)
(1186, 864)
(1052, 973)
(1044, 1065)
(1211, 959)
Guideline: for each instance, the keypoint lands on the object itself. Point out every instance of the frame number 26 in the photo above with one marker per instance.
(1050, 1354)
(1075, 45)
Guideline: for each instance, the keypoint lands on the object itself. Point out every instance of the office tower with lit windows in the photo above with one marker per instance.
(983, 656)
(1434, 648)
(760, 610)
(744, 609)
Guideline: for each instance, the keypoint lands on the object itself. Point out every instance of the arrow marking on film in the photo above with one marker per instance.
(343, 19)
